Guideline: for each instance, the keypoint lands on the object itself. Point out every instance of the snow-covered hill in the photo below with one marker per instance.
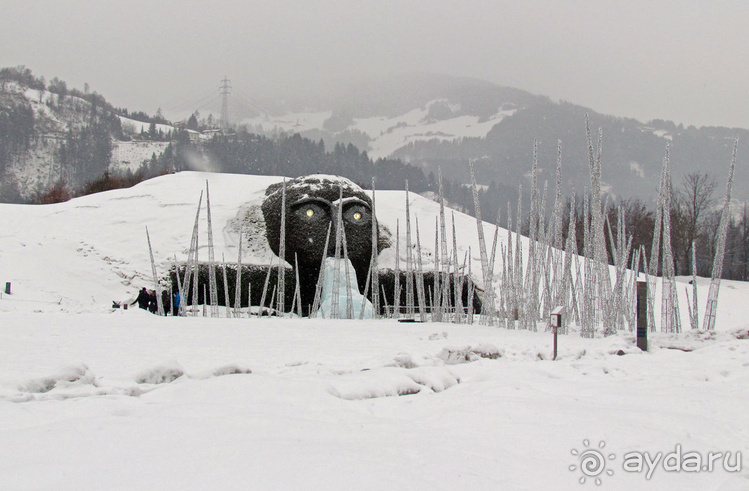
(37, 169)
(134, 127)
(94, 398)
(79, 255)
(132, 154)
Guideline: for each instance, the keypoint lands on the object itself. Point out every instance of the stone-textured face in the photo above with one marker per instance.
(311, 206)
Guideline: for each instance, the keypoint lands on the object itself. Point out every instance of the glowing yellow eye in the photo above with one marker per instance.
(357, 216)
(310, 212)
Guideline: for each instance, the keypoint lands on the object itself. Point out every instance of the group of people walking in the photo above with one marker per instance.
(147, 300)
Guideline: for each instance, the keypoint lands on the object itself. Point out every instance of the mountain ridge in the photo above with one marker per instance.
(440, 122)
(633, 151)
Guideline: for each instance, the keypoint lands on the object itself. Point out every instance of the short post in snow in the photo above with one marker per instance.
(642, 315)
(556, 324)
(7, 287)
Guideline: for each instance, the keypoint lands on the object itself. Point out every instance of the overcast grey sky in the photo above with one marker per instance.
(687, 61)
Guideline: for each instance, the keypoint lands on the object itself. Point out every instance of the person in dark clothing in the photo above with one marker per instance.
(166, 300)
(152, 305)
(142, 299)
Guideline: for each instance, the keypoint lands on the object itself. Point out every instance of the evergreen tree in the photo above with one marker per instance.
(192, 122)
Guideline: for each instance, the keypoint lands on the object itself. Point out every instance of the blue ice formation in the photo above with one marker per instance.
(326, 296)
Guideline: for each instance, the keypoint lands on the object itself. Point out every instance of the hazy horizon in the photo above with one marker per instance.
(678, 61)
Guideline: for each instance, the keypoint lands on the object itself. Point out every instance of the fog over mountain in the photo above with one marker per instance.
(442, 122)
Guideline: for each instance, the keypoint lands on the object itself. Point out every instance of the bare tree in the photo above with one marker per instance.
(695, 198)
(638, 222)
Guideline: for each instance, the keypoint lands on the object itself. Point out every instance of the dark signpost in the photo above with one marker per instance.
(556, 323)
(642, 315)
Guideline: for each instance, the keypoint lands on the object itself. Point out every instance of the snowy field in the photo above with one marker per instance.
(135, 127)
(96, 398)
(131, 155)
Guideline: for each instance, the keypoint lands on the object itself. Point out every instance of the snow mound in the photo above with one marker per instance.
(453, 355)
(740, 333)
(370, 384)
(487, 350)
(172, 370)
(693, 340)
(435, 336)
(404, 360)
(78, 380)
(161, 374)
(392, 381)
(69, 376)
(435, 378)
(230, 369)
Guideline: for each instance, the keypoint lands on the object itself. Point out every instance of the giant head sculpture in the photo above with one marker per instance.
(312, 204)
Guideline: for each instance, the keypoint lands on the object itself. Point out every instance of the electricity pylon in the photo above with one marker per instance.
(225, 89)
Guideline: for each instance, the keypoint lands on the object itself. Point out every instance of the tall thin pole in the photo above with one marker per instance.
(265, 291)
(397, 288)
(347, 271)
(725, 217)
(272, 300)
(695, 318)
(297, 290)
(335, 294)
(497, 298)
(445, 274)
(181, 308)
(320, 276)
(374, 267)
(156, 285)
(366, 292)
(409, 262)
(670, 318)
(518, 264)
(457, 283)
(213, 290)
(238, 283)
(226, 287)
(436, 290)
(530, 294)
(485, 273)
(225, 89)
(282, 254)
(420, 276)
(471, 289)
(249, 298)
(509, 275)
(191, 268)
(655, 251)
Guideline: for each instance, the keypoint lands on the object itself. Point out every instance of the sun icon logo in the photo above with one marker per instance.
(592, 462)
